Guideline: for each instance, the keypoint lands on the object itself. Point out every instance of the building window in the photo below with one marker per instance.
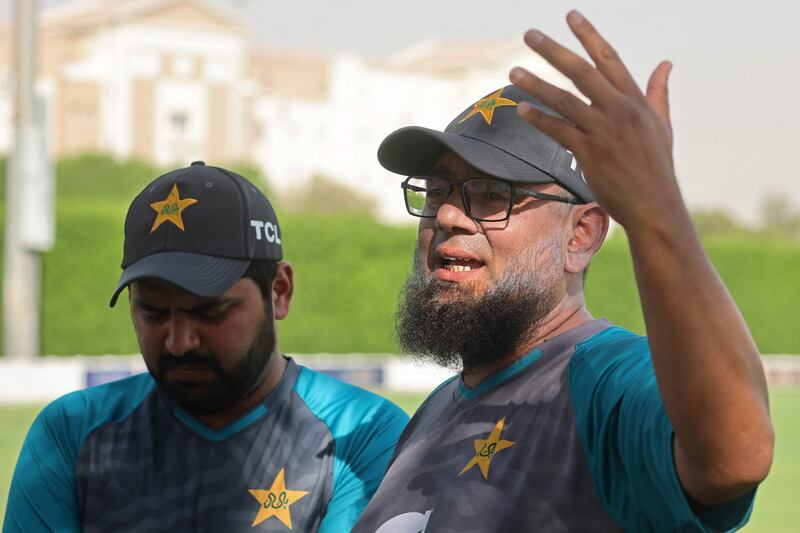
(179, 120)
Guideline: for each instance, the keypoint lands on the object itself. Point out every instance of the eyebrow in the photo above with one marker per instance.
(442, 171)
(205, 306)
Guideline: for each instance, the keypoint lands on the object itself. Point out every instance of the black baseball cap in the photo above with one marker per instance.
(199, 228)
(492, 137)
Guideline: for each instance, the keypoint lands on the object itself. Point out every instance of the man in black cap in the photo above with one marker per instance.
(224, 433)
(559, 421)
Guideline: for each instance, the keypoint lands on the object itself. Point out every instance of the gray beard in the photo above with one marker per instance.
(438, 321)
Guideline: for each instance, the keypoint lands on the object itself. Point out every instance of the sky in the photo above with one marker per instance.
(734, 88)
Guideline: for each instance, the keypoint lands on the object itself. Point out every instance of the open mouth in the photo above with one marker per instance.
(455, 264)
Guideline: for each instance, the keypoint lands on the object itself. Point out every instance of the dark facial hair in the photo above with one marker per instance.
(228, 387)
(441, 322)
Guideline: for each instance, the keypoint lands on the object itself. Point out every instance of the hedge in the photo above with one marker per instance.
(348, 271)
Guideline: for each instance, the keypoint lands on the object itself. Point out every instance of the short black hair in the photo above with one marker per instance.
(262, 272)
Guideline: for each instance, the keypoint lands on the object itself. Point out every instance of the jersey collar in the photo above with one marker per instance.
(550, 347)
(276, 397)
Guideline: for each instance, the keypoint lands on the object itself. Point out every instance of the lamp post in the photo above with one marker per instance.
(29, 198)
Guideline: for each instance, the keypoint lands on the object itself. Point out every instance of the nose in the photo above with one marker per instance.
(452, 214)
(182, 336)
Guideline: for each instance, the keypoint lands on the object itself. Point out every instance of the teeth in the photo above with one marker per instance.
(457, 268)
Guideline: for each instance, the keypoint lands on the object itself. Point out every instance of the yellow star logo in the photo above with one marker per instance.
(171, 209)
(485, 450)
(276, 501)
(486, 106)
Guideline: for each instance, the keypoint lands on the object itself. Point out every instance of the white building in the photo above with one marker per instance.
(173, 81)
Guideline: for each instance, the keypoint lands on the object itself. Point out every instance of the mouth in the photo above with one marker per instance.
(190, 373)
(455, 265)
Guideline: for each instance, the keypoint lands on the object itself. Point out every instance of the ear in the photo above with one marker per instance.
(282, 287)
(588, 231)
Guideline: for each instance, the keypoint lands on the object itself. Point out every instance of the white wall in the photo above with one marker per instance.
(339, 137)
(45, 379)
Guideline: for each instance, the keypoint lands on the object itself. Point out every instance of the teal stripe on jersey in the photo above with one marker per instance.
(365, 429)
(217, 436)
(627, 438)
(42, 495)
(504, 375)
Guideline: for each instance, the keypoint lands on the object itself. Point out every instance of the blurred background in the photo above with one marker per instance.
(297, 96)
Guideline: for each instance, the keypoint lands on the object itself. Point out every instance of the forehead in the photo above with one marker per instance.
(158, 290)
(448, 164)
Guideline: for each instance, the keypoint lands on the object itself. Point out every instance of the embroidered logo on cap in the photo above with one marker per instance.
(171, 209)
(486, 106)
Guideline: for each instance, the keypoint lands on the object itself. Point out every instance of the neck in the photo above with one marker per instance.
(273, 374)
(565, 316)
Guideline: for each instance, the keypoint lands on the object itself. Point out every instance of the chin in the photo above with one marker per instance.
(450, 291)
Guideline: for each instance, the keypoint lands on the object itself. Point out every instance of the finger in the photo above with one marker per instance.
(602, 53)
(658, 91)
(586, 78)
(563, 102)
(561, 131)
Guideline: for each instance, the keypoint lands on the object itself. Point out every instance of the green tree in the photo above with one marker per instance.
(321, 194)
(713, 223)
(780, 217)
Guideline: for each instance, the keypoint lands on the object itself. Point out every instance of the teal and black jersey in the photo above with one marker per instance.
(571, 437)
(123, 457)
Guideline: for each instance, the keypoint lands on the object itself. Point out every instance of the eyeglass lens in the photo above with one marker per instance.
(486, 198)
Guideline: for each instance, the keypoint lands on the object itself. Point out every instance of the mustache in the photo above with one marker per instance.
(168, 361)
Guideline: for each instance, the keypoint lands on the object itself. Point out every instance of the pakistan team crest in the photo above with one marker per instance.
(276, 501)
(485, 450)
(486, 106)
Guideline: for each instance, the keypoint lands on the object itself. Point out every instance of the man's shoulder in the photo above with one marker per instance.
(66, 423)
(613, 334)
(607, 366)
(342, 406)
(442, 390)
(613, 344)
(82, 411)
(108, 397)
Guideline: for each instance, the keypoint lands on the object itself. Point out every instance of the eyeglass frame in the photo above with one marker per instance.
(515, 192)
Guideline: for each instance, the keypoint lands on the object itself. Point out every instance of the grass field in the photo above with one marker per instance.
(776, 503)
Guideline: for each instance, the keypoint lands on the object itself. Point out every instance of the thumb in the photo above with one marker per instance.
(658, 92)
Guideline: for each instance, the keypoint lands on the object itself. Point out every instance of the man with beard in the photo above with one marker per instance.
(559, 421)
(224, 433)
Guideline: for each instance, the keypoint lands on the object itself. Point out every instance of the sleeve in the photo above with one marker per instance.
(361, 458)
(43, 494)
(628, 441)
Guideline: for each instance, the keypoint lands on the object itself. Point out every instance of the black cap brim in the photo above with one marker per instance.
(413, 150)
(199, 274)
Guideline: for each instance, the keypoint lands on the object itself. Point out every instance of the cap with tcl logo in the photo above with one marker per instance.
(199, 228)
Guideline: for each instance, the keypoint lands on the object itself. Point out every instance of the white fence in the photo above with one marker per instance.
(44, 379)
(47, 378)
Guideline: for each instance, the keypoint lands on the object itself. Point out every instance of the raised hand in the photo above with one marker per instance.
(622, 138)
(702, 352)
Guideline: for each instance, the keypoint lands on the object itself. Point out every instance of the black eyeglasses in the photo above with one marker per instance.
(485, 199)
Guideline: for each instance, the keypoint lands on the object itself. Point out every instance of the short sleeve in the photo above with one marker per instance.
(361, 469)
(365, 430)
(627, 438)
(44, 492)
(43, 495)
